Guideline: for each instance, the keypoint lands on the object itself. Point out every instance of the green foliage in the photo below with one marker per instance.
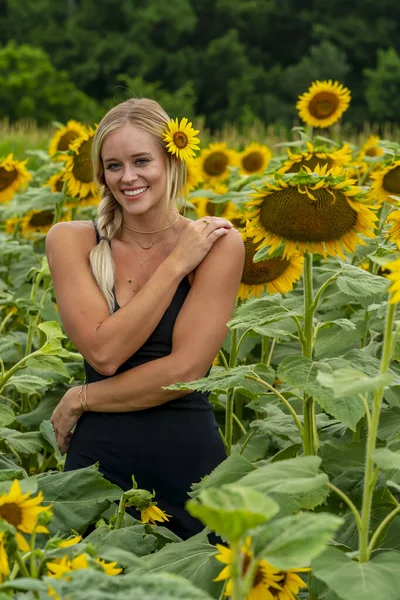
(383, 86)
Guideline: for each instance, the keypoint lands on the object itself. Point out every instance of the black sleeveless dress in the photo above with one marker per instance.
(166, 448)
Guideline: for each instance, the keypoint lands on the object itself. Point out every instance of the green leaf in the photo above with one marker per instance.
(301, 373)
(226, 379)
(351, 580)
(135, 539)
(230, 470)
(52, 329)
(29, 442)
(357, 283)
(292, 476)
(279, 424)
(26, 384)
(232, 509)
(292, 542)
(53, 363)
(349, 381)
(193, 559)
(7, 415)
(386, 459)
(47, 431)
(77, 497)
(42, 412)
(332, 341)
(259, 312)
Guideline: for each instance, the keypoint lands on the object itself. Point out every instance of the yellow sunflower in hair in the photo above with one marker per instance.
(314, 157)
(254, 159)
(318, 211)
(13, 177)
(275, 274)
(323, 104)
(215, 161)
(181, 139)
(386, 183)
(63, 138)
(78, 167)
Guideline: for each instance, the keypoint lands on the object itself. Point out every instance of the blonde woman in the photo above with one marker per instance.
(144, 294)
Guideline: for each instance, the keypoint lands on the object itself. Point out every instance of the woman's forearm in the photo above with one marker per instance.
(139, 388)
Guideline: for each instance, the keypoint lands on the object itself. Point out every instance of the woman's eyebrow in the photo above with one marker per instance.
(106, 160)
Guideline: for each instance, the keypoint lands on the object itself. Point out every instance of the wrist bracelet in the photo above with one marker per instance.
(84, 404)
(85, 401)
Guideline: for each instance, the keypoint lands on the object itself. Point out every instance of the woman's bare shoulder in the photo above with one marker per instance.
(72, 232)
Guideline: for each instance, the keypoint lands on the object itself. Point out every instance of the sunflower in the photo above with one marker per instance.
(215, 161)
(194, 177)
(371, 148)
(22, 511)
(11, 224)
(206, 207)
(62, 139)
(78, 167)
(291, 584)
(313, 157)
(254, 159)
(56, 182)
(152, 513)
(394, 231)
(181, 139)
(109, 568)
(309, 211)
(266, 578)
(70, 542)
(323, 104)
(36, 221)
(60, 567)
(13, 177)
(386, 183)
(4, 566)
(394, 276)
(277, 274)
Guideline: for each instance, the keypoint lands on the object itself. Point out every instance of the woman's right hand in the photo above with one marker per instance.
(196, 240)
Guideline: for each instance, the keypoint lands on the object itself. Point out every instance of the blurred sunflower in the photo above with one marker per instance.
(394, 268)
(215, 160)
(37, 221)
(277, 274)
(323, 104)
(56, 182)
(254, 159)
(11, 224)
(64, 136)
(316, 157)
(206, 207)
(180, 138)
(22, 511)
(314, 211)
(4, 566)
(265, 585)
(370, 148)
(393, 232)
(194, 177)
(78, 167)
(386, 183)
(153, 514)
(13, 177)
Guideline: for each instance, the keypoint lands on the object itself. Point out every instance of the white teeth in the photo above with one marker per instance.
(135, 192)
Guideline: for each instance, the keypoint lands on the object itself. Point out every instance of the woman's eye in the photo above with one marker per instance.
(142, 161)
(112, 166)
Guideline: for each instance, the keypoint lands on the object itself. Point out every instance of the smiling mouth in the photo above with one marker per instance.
(135, 192)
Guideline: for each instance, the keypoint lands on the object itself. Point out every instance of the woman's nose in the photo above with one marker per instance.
(129, 174)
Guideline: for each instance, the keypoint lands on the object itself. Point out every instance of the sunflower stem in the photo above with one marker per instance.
(21, 564)
(370, 474)
(120, 512)
(33, 556)
(264, 348)
(235, 572)
(309, 430)
(230, 399)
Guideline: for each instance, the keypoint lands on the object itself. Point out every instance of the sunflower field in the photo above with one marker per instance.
(306, 389)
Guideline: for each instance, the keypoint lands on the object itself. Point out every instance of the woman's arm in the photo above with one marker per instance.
(198, 334)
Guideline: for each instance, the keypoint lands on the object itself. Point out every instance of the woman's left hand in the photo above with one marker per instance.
(65, 416)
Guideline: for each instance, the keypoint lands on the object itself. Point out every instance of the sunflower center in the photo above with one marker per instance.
(215, 164)
(323, 105)
(180, 139)
(261, 272)
(311, 163)
(7, 178)
(291, 214)
(391, 181)
(82, 168)
(66, 139)
(43, 218)
(253, 162)
(11, 513)
(373, 151)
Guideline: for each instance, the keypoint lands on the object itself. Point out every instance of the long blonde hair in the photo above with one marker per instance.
(147, 115)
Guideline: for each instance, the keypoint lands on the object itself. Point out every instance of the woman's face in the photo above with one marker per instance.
(135, 170)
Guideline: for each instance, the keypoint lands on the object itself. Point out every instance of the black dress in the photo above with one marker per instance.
(166, 448)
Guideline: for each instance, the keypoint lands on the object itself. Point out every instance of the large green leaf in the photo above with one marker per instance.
(43, 411)
(25, 384)
(231, 510)
(301, 373)
(292, 542)
(230, 470)
(77, 497)
(259, 312)
(135, 539)
(386, 459)
(349, 381)
(292, 476)
(226, 379)
(47, 431)
(7, 415)
(351, 580)
(357, 283)
(193, 559)
(48, 362)
(29, 442)
(336, 337)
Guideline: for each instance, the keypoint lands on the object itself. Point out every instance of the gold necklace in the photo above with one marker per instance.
(141, 263)
(148, 246)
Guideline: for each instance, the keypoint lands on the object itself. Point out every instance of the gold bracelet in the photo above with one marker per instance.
(80, 396)
(86, 402)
